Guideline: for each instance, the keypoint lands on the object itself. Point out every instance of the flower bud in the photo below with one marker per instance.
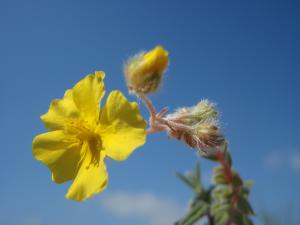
(204, 136)
(197, 126)
(144, 71)
(204, 110)
(208, 134)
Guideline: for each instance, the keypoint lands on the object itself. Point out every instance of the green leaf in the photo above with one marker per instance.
(219, 179)
(221, 218)
(247, 221)
(221, 212)
(222, 192)
(195, 214)
(199, 214)
(220, 208)
(238, 218)
(244, 191)
(185, 179)
(237, 181)
(244, 206)
(193, 180)
(197, 173)
(197, 178)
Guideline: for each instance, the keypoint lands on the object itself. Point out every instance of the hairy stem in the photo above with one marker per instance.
(156, 121)
(229, 177)
(148, 104)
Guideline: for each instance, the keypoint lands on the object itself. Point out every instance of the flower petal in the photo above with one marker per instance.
(60, 111)
(60, 152)
(156, 60)
(122, 127)
(87, 95)
(91, 177)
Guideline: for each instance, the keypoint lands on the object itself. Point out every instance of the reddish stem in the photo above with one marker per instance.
(156, 122)
(149, 105)
(226, 167)
(229, 176)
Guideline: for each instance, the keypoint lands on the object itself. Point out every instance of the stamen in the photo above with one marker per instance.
(86, 135)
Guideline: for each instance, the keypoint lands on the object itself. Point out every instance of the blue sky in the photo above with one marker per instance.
(243, 55)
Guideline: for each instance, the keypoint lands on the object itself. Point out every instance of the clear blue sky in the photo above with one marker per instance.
(243, 55)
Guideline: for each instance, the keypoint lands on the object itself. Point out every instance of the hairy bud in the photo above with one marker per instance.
(197, 126)
(208, 134)
(204, 110)
(144, 71)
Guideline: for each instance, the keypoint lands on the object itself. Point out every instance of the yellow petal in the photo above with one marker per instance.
(91, 177)
(156, 60)
(122, 127)
(61, 153)
(87, 95)
(60, 111)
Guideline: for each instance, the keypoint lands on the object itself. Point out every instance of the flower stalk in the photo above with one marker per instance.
(157, 121)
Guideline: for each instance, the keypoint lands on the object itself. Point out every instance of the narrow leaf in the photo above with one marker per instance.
(186, 180)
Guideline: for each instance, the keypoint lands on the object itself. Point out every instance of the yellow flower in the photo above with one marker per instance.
(82, 135)
(144, 71)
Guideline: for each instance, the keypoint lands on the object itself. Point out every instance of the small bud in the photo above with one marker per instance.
(204, 136)
(144, 71)
(204, 110)
(197, 126)
(208, 134)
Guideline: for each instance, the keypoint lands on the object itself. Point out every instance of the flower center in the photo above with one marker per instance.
(86, 135)
(80, 130)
